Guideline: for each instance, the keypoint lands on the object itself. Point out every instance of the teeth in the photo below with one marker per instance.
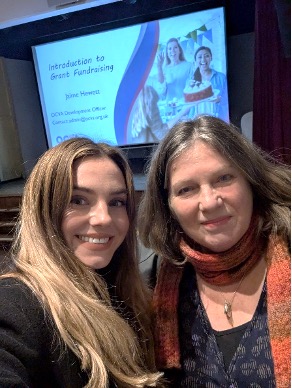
(94, 240)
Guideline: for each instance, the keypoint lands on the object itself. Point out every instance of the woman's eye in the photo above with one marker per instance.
(225, 178)
(118, 202)
(185, 190)
(78, 201)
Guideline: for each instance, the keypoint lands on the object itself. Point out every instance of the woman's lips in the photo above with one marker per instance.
(94, 239)
(216, 221)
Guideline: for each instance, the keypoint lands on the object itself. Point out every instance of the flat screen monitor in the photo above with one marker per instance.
(130, 85)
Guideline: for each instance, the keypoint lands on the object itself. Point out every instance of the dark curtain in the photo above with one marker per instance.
(272, 78)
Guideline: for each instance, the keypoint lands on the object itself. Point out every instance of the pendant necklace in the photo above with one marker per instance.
(228, 304)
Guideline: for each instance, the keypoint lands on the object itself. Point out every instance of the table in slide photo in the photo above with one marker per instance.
(169, 109)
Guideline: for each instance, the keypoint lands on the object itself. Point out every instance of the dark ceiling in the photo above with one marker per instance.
(16, 42)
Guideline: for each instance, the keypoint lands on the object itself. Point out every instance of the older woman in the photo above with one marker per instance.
(216, 209)
(74, 311)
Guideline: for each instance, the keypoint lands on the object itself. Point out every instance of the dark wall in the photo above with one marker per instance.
(240, 75)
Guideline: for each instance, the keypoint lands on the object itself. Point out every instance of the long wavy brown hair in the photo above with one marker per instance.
(75, 296)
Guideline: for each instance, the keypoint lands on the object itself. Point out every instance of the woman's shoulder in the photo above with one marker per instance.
(218, 74)
(13, 286)
(186, 65)
(182, 65)
(31, 353)
(19, 302)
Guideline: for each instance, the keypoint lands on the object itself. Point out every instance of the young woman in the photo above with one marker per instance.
(217, 211)
(173, 71)
(73, 309)
(204, 72)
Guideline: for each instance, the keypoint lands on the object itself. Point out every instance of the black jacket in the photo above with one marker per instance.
(30, 352)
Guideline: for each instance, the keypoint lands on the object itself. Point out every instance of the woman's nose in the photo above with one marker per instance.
(99, 214)
(209, 199)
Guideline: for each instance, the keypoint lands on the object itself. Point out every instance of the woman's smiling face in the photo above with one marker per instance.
(173, 52)
(203, 59)
(96, 221)
(209, 197)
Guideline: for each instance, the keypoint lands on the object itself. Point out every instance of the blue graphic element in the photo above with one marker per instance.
(207, 34)
(135, 76)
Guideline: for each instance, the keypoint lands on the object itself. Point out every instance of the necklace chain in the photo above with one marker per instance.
(228, 304)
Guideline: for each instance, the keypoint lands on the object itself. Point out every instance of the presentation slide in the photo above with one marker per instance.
(126, 86)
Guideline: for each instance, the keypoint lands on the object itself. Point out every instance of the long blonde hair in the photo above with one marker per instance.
(74, 295)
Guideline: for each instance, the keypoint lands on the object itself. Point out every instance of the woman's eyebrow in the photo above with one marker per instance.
(114, 191)
(82, 188)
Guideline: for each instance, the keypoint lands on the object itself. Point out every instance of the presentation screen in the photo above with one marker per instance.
(130, 85)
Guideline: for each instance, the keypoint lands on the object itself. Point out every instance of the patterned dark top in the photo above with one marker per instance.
(203, 363)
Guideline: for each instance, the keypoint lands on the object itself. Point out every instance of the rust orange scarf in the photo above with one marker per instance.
(166, 296)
